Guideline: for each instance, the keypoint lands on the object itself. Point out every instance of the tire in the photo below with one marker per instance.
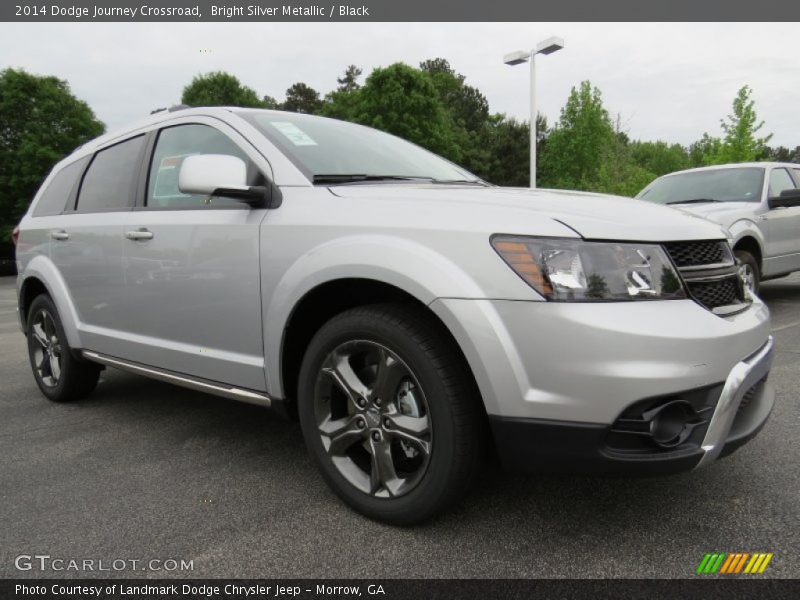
(751, 273)
(402, 458)
(59, 374)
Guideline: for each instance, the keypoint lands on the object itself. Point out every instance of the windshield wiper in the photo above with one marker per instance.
(353, 177)
(461, 181)
(694, 201)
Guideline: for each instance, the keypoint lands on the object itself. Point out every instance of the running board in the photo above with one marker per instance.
(200, 385)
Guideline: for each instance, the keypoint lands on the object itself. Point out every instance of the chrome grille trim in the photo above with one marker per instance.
(710, 273)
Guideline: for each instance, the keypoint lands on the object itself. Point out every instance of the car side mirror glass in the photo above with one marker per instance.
(219, 175)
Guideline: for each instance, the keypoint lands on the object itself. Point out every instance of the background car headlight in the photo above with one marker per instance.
(575, 270)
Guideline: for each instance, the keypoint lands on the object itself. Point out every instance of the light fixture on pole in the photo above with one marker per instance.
(548, 46)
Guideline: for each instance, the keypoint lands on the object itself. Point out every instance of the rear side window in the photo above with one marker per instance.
(110, 182)
(54, 197)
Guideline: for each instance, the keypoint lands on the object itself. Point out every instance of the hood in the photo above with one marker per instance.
(519, 210)
(723, 213)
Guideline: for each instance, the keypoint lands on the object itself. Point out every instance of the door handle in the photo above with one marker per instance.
(60, 235)
(139, 234)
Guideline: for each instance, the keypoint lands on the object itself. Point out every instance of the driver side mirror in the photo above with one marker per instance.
(219, 175)
(787, 199)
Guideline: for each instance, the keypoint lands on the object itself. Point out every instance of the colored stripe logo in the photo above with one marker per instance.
(734, 563)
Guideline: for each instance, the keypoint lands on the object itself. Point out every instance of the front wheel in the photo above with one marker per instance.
(748, 267)
(389, 413)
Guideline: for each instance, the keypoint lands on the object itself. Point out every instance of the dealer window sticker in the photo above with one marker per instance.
(293, 133)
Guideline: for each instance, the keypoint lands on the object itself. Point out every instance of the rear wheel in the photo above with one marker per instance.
(60, 376)
(748, 267)
(389, 413)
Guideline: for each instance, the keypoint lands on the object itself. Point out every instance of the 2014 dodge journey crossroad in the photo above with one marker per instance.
(410, 315)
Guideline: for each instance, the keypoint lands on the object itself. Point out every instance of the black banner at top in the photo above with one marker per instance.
(398, 10)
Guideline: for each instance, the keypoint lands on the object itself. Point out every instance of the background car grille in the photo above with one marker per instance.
(691, 254)
(709, 271)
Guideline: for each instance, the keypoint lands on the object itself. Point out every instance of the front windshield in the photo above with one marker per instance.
(714, 185)
(327, 150)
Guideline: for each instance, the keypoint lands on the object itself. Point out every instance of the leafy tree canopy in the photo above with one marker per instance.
(404, 101)
(41, 121)
(581, 141)
(302, 98)
(220, 89)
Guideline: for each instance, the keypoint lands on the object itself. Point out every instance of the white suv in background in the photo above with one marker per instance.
(759, 203)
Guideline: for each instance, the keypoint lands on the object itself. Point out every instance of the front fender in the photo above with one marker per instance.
(746, 228)
(42, 268)
(408, 265)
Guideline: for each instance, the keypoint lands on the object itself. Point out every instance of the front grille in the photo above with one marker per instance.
(692, 254)
(709, 271)
(712, 294)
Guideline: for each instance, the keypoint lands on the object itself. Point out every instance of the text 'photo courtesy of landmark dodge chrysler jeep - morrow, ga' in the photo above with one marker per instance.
(413, 317)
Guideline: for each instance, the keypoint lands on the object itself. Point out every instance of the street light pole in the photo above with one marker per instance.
(548, 46)
(533, 122)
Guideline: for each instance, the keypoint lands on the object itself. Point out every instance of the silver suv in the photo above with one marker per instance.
(414, 318)
(758, 203)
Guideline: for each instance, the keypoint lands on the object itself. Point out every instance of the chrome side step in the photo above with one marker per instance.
(187, 381)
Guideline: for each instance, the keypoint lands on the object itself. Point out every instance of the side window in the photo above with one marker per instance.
(797, 174)
(110, 182)
(780, 180)
(176, 143)
(54, 197)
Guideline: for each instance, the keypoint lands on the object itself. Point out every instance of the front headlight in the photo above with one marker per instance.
(579, 271)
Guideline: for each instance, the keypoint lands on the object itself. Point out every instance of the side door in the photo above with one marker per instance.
(86, 243)
(191, 265)
(781, 227)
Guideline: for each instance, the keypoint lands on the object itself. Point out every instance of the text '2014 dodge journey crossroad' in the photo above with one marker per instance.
(412, 316)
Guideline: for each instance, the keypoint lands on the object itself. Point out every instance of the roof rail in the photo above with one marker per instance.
(174, 108)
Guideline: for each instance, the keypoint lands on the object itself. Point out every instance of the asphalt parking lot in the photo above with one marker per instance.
(144, 470)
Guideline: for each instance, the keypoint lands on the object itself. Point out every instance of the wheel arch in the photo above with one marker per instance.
(747, 236)
(750, 244)
(42, 276)
(353, 271)
(328, 299)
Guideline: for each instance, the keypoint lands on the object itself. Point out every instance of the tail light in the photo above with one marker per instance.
(15, 235)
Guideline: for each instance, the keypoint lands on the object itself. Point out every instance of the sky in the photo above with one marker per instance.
(667, 81)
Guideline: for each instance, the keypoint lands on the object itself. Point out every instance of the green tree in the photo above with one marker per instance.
(580, 143)
(659, 157)
(467, 112)
(343, 102)
(220, 89)
(508, 147)
(349, 81)
(269, 102)
(740, 142)
(702, 151)
(783, 154)
(467, 105)
(404, 101)
(302, 98)
(40, 122)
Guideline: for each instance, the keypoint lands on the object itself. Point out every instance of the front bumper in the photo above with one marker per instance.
(556, 378)
(528, 445)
